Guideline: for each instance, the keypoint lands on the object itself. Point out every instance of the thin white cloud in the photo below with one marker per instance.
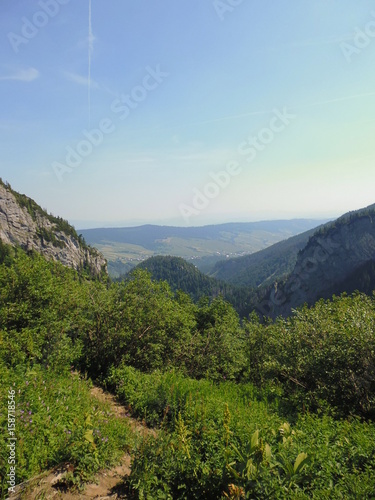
(339, 99)
(190, 155)
(334, 39)
(176, 126)
(231, 117)
(80, 80)
(22, 75)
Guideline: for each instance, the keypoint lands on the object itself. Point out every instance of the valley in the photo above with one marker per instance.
(203, 246)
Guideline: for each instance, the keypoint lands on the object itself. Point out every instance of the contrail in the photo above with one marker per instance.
(91, 48)
(339, 99)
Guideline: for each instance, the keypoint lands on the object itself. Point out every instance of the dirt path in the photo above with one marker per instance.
(107, 484)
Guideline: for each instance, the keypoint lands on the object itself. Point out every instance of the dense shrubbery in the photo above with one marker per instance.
(48, 315)
(144, 342)
(40, 313)
(216, 440)
(324, 356)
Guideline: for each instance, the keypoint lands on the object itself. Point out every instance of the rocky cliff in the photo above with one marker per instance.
(24, 223)
(333, 255)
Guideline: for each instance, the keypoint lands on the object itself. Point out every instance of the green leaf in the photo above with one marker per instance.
(88, 436)
(255, 440)
(300, 462)
(267, 452)
(251, 469)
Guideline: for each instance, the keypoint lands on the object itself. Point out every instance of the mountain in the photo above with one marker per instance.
(184, 276)
(339, 257)
(23, 223)
(126, 247)
(263, 267)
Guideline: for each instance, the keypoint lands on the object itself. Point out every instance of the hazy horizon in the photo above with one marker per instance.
(126, 224)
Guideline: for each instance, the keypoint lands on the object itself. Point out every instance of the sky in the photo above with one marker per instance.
(188, 112)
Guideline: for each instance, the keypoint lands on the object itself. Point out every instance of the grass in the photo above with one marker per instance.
(58, 421)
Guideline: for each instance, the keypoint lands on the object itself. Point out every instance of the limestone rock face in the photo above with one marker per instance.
(325, 263)
(32, 228)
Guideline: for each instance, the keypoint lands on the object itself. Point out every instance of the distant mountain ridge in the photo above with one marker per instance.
(23, 223)
(150, 235)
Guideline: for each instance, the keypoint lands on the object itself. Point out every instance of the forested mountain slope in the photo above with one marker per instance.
(184, 276)
(338, 258)
(264, 266)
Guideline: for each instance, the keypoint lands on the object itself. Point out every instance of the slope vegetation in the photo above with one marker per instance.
(184, 276)
(338, 258)
(264, 266)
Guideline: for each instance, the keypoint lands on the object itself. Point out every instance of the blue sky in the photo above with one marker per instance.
(180, 91)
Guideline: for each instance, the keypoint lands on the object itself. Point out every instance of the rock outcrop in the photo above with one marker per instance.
(23, 223)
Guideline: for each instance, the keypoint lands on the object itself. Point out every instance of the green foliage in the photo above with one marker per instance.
(324, 356)
(139, 322)
(50, 316)
(57, 421)
(219, 354)
(40, 304)
(269, 411)
(184, 276)
(219, 441)
(7, 254)
(143, 324)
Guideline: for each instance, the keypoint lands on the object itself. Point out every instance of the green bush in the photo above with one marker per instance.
(40, 312)
(323, 356)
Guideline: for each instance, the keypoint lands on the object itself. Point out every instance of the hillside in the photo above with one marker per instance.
(184, 276)
(204, 246)
(262, 267)
(338, 258)
(23, 223)
(180, 275)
